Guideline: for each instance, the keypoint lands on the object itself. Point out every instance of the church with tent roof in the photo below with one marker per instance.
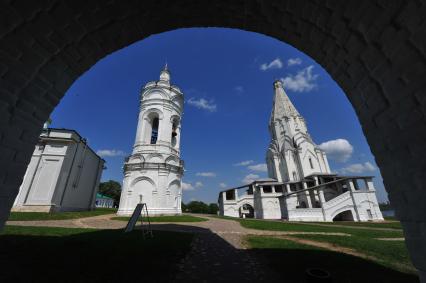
(301, 186)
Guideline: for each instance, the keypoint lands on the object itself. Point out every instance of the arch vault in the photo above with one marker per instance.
(374, 50)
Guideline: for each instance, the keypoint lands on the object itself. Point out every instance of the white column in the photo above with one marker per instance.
(308, 196)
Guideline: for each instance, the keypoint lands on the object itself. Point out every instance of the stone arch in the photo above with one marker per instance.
(173, 160)
(138, 179)
(344, 214)
(155, 158)
(156, 94)
(374, 50)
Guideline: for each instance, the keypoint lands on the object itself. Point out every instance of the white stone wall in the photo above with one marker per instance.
(63, 175)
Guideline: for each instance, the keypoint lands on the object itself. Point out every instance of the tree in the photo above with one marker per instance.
(197, 207)
(111, 189)
(213, 208)
(200, 207)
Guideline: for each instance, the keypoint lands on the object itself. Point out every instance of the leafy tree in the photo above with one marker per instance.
(197, 207)
(213, 208)
(200, 207)
(111, 189)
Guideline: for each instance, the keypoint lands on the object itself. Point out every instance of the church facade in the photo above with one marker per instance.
(153, 172)
(301, 186)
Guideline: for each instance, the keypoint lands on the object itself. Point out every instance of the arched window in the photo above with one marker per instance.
(310, 162)
(154, 130)
(294, 176)
(174, 133)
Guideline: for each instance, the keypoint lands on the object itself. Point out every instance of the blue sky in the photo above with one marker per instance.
(226, 76)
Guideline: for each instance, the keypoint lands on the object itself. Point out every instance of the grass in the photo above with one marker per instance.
(37, 216)
(306, 227)
(35, 254)
(290, 260)
(391, 254)
(173, 218)
(391, 224)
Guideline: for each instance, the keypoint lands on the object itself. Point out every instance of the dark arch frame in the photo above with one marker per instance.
(375, 50)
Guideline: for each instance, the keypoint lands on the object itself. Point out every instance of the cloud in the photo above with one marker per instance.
(259, 167)
(303, 81)
(294, 61)
(339, 150)
(199, 184)
(110, 153)
(204, 104)
(223, 185)
(275, 64)
(187, 186)
(239, 89)
(244, 163)
(206, 174)
(358, 168)
(250, 178)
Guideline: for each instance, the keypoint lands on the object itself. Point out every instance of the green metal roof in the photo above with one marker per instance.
(98, 196)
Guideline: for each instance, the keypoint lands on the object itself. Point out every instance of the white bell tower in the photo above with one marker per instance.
(153, 173)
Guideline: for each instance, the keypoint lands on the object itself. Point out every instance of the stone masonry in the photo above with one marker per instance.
(374, 49)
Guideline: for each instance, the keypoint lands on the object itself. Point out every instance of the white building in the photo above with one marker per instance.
(301, 186)
(153, 173)
(63, 174)
(104, 201)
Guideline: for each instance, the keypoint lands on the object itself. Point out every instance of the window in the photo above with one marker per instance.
(310, 163)
(267, 189)
(174, 133)
(294, 176)
(154, 131)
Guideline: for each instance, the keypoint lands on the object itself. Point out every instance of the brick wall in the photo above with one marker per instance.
(375, 51)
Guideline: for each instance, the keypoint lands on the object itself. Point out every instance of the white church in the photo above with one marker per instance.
(153, 172)
(301, 186)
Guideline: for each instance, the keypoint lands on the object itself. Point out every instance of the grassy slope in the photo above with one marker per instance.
(290, 260)
(47, 254)
(177, 218)
(34, 216)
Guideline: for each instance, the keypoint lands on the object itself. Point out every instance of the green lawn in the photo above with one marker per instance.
(290, 260)
(176, 218)
(36, 254)
(34, 216)
(391, 254)
(390, 224)
(306, 227)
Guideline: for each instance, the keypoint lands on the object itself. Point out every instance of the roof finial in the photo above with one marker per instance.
(165, 67)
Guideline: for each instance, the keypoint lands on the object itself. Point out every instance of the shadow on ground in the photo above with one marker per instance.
(178, 253)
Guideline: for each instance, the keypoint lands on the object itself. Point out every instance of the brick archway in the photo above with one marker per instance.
(375, 51)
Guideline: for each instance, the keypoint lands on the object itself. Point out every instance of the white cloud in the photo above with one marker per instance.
(259, 167)
(206, 174)
(110, 152)
(223, 185)
(294, 61)
(187, 186)
(244, 163)
(339, 150)
(239, 89)
(250, 178)
(358, 168)
(275, 64)
(204, 104)
(199, 184)
(303, 81)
